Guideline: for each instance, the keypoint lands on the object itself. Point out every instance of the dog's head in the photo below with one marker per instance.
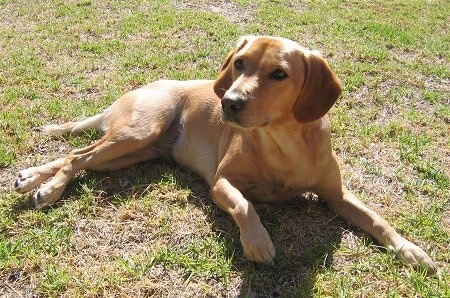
(268, 79)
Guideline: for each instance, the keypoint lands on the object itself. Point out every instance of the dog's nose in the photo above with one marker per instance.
(232, 103)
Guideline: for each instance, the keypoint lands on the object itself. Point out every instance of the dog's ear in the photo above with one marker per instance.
(225, 78)
(320, 91)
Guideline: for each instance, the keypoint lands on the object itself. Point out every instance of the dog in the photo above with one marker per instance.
(259, 132)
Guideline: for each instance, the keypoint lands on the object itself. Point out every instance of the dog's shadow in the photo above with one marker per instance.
(303, 230)
(306, 235)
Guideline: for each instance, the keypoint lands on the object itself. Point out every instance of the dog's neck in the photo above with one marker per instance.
(293, 138)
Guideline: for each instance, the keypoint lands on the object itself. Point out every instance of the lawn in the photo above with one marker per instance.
(152, 230)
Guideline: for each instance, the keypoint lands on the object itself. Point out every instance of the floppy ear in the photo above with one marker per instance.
(225, 79)
(320, 91)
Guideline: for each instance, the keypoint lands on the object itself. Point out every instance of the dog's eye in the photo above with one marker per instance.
(238, 64)
(278, 75)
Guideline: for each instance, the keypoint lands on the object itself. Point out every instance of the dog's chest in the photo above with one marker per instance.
(284, 164)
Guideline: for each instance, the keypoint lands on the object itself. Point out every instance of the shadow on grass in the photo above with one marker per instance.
(305, 233)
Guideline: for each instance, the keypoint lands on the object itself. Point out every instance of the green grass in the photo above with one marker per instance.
(151, 230)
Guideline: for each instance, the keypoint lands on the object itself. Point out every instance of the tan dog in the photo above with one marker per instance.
(259, 132)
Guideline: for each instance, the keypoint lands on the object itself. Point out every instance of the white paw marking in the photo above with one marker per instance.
(28, 180)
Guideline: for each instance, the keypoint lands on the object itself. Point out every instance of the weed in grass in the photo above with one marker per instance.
(50, 240)
(54, 282)
(8, 252)
(6, 158)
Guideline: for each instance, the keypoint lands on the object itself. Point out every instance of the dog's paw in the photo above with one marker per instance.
(414, 256)
(28, 180)
(257, 245)
(47, 194)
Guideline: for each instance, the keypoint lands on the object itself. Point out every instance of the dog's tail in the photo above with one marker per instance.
(94, 122)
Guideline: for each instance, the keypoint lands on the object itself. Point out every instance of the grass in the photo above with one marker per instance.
(151, 230)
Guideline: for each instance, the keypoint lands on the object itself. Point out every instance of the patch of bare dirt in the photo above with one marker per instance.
(227, 9)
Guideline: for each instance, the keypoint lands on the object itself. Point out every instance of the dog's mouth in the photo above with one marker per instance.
(231, 120)
(242, 123)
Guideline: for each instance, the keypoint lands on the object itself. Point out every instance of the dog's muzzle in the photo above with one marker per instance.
(232, 104)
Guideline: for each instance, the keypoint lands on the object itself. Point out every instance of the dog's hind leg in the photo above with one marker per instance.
(112, 151)
(128, 160)
(135, 121)
(33, 177)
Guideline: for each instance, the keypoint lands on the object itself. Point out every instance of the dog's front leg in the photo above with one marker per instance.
(345, 203)
(256, 242)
